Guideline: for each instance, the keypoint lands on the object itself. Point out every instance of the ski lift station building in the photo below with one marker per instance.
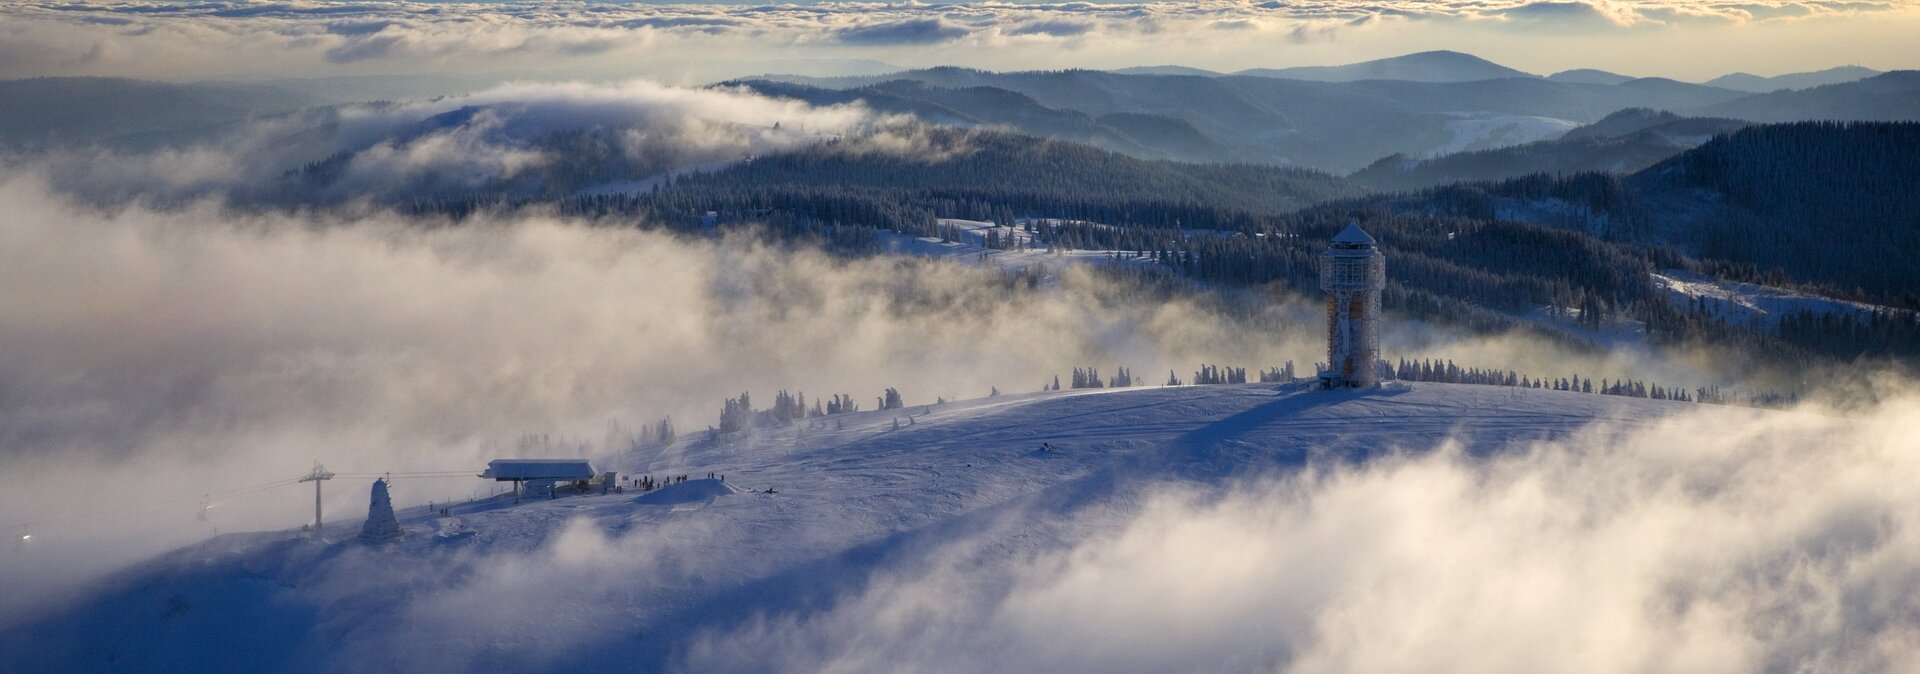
(538, 475)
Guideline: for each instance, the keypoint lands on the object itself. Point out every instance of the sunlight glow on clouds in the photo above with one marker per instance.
(716, 41)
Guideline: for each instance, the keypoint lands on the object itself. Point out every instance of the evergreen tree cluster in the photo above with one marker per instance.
(660, 432)
(840, 404)
(736, 414)
(1087, 378)
(790, 407)
(1446, 372)
(1890, 332)
(1277, 374)
(1213, 374)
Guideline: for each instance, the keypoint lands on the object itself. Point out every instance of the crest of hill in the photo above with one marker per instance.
(1166, 70)
(1588, 76)
(1430, 66)
(1758, 84)
(1022, 171)
(1624, 122)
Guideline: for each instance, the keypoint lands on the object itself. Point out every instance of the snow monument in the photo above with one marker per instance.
(381, 524)
(1353, 272)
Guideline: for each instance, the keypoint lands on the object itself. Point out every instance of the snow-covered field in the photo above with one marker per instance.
(971, 248)
(1216, 528)
(1485, 130)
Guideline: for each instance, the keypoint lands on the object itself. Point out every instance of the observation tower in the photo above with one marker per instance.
(1353, 272)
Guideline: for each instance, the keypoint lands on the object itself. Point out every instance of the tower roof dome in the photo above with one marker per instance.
(1353, 235)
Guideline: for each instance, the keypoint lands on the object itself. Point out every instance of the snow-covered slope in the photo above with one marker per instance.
(1752, 303)
(805, 513)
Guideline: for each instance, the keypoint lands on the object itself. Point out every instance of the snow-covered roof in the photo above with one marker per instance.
(538, 469)
(1353, 234)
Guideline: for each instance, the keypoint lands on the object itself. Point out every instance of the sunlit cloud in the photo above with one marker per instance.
(50, 38)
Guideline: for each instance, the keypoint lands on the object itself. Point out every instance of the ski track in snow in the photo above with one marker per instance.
(849, 501)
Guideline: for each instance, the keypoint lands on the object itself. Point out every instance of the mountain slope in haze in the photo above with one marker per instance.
(1886, 97)
(1758, 84)
(1431, 66)
(1337, 126)
(1137, 134)
(1624, 142)
(806, 519)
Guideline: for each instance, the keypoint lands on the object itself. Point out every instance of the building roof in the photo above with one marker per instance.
(1353, 234)
(538, 469)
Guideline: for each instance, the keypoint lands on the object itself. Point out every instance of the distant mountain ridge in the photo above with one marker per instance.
(1758, 84)
(1892, 96)
(1166, 70)
(1151, 112)
(1429, 66)
(1334, 126)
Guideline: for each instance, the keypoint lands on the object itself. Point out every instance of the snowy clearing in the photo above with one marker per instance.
(1488, 130)
(1750, 303)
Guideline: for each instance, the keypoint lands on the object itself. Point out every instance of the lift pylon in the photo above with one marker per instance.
(319, 474)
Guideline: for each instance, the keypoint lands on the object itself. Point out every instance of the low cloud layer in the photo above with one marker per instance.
(196, 350)
(1713, 541)
(528, 139)
(708, 42)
